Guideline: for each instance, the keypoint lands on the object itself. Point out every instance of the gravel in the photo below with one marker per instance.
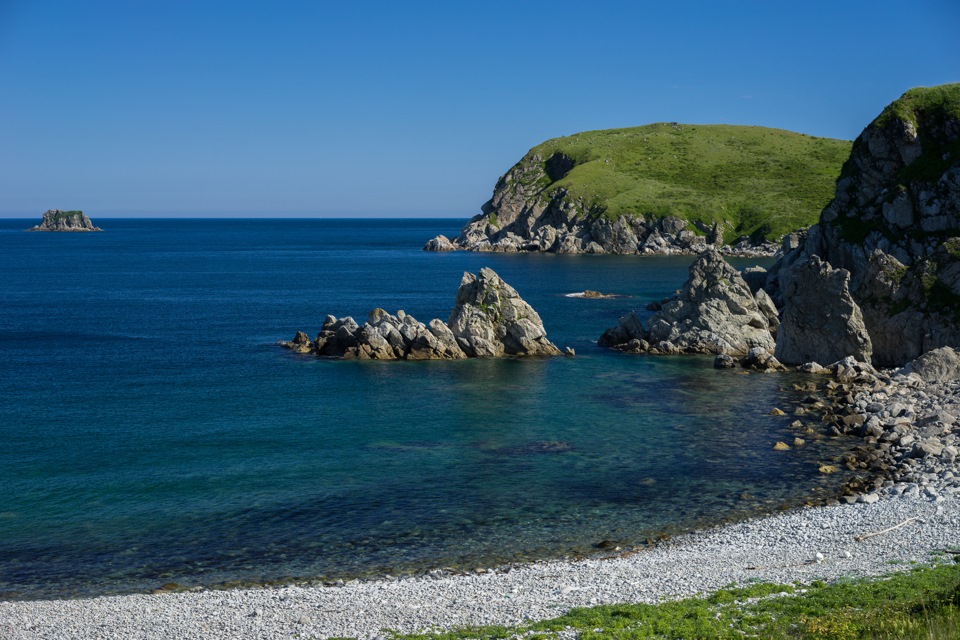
(803, 545)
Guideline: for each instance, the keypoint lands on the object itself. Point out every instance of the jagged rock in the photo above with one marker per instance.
(440, 243)
(57, 220)
(820, 322)
(713, 313)
(894, 224)
(936, 366)
(489, 319)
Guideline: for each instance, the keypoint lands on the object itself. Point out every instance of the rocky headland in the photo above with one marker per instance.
(57, 220)
(489, 319)
(892, 233)
(876, 283)
(877, 278)
(660, 189)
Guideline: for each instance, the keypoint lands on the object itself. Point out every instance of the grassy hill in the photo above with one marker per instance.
(761, 181)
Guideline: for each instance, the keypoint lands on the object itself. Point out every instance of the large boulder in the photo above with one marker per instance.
(490, 319)
(936, 366)
(820, 322)
(715, 313)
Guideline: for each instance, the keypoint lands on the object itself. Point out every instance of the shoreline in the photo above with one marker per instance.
(777, 548)
(907, 510)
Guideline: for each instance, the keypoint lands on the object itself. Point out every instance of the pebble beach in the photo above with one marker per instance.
(908, 520)
(809, 544)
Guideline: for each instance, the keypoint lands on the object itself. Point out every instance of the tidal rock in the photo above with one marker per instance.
(57, 220)
(714, 312)
(440, 243)
(821, 322)
(489, 319)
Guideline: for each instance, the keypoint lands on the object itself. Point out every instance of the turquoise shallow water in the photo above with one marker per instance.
(154, 432)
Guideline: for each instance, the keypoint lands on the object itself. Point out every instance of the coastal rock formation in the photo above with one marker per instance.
(490, 319)
(664, 188)
(715, 312)
(821, 322)
(894, 225)
(439, 243)
(57, 220)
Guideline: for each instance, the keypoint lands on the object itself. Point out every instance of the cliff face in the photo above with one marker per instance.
(525, 214)
(664, 188)
(57, 220)
(894, 224)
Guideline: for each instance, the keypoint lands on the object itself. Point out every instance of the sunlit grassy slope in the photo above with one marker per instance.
(761, 181)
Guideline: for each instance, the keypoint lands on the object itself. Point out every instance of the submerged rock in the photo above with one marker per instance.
(489, 319)
(57, 220)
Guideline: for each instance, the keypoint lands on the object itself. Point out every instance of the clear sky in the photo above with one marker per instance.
(364, 108)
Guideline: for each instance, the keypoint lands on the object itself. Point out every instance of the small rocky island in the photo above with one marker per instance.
(57, 220)
(490, 319)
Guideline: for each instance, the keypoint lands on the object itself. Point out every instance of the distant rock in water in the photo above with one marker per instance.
(490, 319)
(57, 220)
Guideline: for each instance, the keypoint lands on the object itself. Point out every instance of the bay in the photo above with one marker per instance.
(153, 431)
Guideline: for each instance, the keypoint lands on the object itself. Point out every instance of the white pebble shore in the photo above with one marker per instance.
(779, 548)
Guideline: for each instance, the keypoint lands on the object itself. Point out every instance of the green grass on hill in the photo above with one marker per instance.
(921, 603)
(763, 181)
(66, 215)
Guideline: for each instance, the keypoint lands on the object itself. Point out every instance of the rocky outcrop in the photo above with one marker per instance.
(894, 225)
(821, 322)
(490, 319)
(715, 313)
(57, 220)
(440, 243)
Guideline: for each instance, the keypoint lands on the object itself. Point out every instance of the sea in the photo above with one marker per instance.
(153, 432)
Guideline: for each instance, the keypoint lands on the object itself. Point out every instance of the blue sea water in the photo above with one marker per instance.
(153, 431)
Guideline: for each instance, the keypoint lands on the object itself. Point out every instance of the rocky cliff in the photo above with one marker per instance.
(658, 189)
(894, 226)
(57, 220)
(489, 319)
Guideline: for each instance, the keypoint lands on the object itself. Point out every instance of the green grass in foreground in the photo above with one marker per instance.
(762, 181)
(920, 603)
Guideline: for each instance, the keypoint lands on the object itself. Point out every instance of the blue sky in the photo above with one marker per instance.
(143, 108)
